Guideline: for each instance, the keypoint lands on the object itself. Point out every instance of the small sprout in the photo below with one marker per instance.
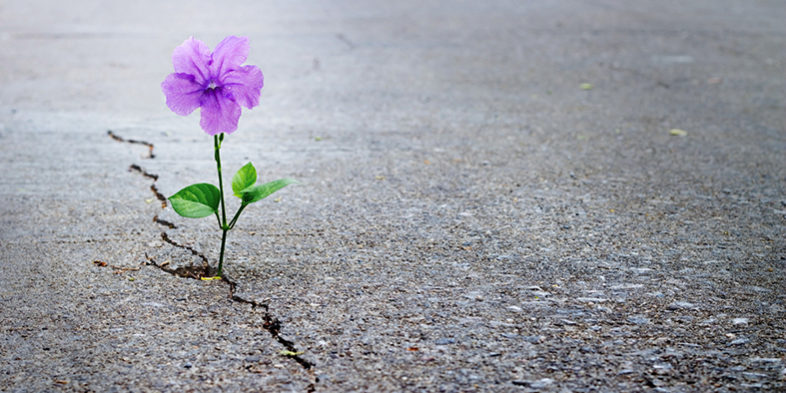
(678, 132)
(586, 86)
(199, 78)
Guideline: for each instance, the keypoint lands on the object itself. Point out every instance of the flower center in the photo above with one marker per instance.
(212, 85)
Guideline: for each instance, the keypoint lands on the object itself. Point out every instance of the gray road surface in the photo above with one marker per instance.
(492, 198)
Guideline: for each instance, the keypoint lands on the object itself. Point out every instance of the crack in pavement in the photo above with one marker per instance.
(164, 222)
(269, 322)
(132, 141)
(205, 262)
(161, 197)
(273, 325)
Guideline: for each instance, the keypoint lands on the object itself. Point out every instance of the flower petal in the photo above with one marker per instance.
(183, 93)
(192, 57)
(219, 112)
(244, 84)
(229, 54)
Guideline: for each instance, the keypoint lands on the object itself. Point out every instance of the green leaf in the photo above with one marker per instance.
(262, 191)
(196, 201)
(244, 178)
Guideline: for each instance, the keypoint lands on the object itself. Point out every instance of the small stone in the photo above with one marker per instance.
(681, 306)
(660, 341)
(187, 365)
(444, 341)
(533, 339)
(514, 308)
(662, 368)
(541, 383)
(473, 295)
(740, 321)
(592, 299)
(638, 320)
(740, 341)
(765, 360)
(627, 286)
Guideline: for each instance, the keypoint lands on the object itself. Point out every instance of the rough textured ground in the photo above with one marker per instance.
(470, 217)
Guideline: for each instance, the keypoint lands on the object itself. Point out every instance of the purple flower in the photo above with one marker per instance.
(215, 82)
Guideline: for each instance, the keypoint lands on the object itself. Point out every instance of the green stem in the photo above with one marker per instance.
(234, 219)
(221, 257)
(222, 223)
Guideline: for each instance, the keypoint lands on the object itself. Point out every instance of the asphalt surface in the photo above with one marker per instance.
(495, 196)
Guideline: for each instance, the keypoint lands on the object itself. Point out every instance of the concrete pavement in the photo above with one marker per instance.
(491, 199)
